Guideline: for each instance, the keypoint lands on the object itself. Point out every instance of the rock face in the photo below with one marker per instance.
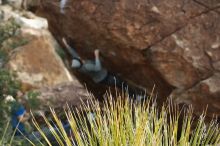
(204, 94)
(62, 94)
(29, 49)
(38, 64)
(34, 58)
(170, 43)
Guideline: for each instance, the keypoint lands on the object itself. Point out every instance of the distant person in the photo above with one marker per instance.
(19, 116)
(94, 69)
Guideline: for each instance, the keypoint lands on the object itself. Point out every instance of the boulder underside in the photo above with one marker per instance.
(172, 44)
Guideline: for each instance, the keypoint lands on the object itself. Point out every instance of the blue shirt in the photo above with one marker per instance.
(16, 112)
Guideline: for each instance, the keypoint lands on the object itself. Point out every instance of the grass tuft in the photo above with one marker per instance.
(124, 122)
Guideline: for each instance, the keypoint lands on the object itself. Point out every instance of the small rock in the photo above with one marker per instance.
(36, 23)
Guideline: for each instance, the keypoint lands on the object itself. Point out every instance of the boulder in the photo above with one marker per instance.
(38, 64)
(23, 18)
(61, 95)
(171, 44)
(32, 53)
(203, 95)
(34, 57)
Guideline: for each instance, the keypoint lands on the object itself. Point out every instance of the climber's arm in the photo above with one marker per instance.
(70, 49)
(94, 66)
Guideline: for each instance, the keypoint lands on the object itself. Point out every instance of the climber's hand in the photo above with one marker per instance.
(65, 43)
(96, 52)
(64, 40)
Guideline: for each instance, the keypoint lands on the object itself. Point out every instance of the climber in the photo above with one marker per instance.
(95, 70)
(19, 116)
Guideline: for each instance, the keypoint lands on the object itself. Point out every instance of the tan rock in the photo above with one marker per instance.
(23, 18)
(38, 64)
(35, 61)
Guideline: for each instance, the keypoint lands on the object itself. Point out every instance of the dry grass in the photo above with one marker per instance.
(123, 122)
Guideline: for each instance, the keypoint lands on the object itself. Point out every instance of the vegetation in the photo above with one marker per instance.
(32, 100)
(61, 53)
(18, 42)
(8, 139)
(9, 33)
(123, 122)
(8, 29)
(8, 86)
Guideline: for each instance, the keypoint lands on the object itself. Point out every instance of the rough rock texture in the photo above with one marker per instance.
(34, 58)
(37, 63)
(33, 53)
(173, 44)
(204, 94)
(23, 18)
(62, 94)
